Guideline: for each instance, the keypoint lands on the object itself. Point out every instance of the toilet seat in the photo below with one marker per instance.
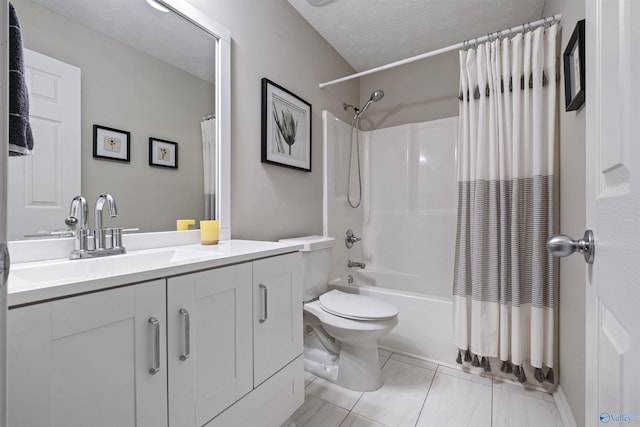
(357, 307)
(331, 320)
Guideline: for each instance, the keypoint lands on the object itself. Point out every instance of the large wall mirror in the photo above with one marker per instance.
(142, 71)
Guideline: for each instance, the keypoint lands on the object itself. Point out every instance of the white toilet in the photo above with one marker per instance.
(341, 329)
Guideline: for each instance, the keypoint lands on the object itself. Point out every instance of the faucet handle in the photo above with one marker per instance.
(350, 239)
(116, 236)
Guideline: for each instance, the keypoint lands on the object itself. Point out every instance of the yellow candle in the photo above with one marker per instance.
(185, 224)
(209, 232)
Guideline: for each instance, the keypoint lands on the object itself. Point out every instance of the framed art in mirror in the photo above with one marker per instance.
(574, 65)
(286, 127)
(163, 153)
(111, 144)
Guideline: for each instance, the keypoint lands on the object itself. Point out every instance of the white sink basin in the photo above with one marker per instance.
(66, 271)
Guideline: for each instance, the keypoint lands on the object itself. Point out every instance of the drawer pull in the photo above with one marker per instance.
(264, 314)
(155, 324)
(187, 339)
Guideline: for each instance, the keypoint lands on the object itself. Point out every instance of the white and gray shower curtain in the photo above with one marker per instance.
(208, 128)
(504, 290)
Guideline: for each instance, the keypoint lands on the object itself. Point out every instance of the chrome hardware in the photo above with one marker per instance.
(360, 265)
(562, 245)
(5, 264)
(187, 340)
(106, 241)
(263, 315)
(155, 324)
(350, 279)
(99, 233)
(78, 213)
(350, 239)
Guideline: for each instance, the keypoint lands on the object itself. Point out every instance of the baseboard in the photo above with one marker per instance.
(563, 407)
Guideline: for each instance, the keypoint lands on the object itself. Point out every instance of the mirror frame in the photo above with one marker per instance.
(222, 107)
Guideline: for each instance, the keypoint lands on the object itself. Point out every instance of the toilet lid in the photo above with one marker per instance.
(358, 307)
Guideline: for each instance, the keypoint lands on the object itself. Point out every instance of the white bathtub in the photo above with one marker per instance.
(425, 326)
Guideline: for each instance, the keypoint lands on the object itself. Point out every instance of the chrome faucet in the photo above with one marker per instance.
(99, 235)
(79, 215)
(360, 265)
(102, 246)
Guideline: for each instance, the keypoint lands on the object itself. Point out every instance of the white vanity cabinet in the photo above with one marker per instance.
(221, 346)
(87, 360)
(209, 342)
(277, 314)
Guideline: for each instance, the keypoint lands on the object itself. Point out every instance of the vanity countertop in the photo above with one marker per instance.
(31, 282)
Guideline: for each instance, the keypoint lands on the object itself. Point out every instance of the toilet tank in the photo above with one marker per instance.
(316, 258)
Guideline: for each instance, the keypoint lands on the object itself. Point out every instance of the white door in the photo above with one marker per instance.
(209, 343)
(277, 314)
(42, 185)
(613, 212)
(86, 360)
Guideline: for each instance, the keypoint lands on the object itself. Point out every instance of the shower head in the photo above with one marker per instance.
(376, 96)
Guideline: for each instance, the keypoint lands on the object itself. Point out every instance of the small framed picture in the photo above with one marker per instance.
(163, 153)
(111, 144)
(286, 128)
(574, 65)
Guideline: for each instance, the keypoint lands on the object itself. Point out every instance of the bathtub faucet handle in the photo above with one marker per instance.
(350, 239)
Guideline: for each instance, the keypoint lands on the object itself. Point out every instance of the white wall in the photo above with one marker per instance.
(270, 39)
(572, 222)
(418, 92)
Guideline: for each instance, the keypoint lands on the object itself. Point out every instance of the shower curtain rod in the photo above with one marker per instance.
(523, 27)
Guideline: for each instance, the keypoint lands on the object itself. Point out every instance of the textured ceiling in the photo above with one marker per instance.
(166, 36)
(369, 33)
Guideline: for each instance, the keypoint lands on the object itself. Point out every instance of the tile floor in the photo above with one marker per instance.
(423, 394)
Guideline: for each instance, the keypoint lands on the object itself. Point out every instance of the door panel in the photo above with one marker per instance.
(218, 370)
(277, 313)
(613, 202)
(85, 360)
(43, 184)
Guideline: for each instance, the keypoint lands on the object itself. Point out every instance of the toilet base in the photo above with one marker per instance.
(357, 367)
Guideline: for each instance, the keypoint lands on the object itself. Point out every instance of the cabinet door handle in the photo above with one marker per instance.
(155, 324)
(263, 315)
(187, 339)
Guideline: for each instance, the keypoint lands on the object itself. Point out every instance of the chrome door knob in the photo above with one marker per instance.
(563, 245)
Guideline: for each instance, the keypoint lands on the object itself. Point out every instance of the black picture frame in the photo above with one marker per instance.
(163, 153)
(574, 68)
(286, 128)
(111, 144)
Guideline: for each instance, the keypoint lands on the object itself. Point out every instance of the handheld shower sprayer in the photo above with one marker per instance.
(376, 96)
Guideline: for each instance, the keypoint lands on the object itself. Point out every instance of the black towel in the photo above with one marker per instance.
(20, 137)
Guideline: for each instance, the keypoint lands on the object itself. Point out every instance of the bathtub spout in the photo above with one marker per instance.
(360, 265)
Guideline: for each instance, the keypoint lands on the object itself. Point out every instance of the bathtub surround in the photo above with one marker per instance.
(504, 280)
(408, 234)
